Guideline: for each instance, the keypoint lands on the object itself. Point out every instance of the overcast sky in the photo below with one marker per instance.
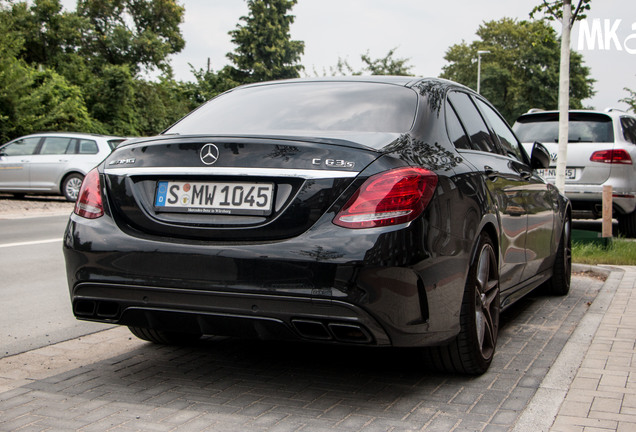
(420, 30)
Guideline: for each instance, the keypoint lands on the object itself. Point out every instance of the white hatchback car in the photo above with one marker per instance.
(601, 151)
(51, 163)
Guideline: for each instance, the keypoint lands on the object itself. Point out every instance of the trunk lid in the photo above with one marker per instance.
(229, 188)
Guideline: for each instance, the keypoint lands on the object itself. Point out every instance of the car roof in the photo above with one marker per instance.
(610, 112)
(406, 81)
(72, 135)
(81, 135)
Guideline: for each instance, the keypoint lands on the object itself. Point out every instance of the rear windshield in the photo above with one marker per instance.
(295, 107)
(583, 127)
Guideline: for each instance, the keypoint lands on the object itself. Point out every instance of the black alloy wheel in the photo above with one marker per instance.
(486, 307)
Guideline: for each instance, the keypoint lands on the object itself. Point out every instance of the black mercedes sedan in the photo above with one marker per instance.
(380, 211)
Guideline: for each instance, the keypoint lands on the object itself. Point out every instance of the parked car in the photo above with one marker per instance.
(51, 163)
(382, 211)
(601, 151)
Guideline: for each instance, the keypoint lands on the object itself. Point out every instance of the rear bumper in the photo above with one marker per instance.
(360, 291)
(218, 313)
(590, 197)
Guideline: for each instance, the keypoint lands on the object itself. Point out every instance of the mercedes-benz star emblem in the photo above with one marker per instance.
(209, 154)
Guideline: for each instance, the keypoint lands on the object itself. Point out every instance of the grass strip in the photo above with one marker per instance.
(618, 252)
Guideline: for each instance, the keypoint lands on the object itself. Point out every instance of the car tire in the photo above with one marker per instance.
(559, 283)
(71, 186)
(627, 224)
(163, 337)
(472, 351)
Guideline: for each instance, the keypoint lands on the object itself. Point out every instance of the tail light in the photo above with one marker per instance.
(619, 156)
(89, 201)
(389, 198)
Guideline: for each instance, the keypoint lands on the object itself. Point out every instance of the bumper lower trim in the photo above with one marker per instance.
(227, 314)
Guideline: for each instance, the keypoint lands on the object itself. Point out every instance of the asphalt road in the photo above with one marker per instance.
(35, 309)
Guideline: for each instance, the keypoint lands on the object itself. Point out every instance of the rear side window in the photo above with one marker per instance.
(582, 127)
(477, 130)
(629, 129)
(507, 139)
(23, 147)
(456, 131)
(87, 147)
(56, 146)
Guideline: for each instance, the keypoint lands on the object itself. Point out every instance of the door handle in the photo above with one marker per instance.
(63, 160)
(490, 172)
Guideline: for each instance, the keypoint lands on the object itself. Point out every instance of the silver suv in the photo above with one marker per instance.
(51, 163)
(601, 151)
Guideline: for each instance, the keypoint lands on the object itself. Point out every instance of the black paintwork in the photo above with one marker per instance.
(294, 274)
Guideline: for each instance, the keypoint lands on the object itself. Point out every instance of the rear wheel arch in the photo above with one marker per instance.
(492, 233)
(559, 282)
(489, 229)
(472, 350)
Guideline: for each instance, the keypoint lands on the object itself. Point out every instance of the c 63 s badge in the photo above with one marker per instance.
(333, 163)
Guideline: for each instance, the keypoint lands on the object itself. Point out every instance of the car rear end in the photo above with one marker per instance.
(598, 155)
(257, 235)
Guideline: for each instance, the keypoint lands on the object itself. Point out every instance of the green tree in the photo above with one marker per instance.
(48, 34)
(630, 100)
(34, 98)
(137, 33)
(51, 103)
(553, 10)
(387, 65)
(208, 84)
(521, 70)
(160, 104)
(80, 70)
(112, 100)
(264, 49)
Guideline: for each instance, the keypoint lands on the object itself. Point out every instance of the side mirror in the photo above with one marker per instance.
(540, 157)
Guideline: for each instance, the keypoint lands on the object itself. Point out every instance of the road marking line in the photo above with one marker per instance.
(30, 243)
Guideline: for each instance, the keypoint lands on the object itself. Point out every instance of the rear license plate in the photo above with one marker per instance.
(215, 198)
(550, 173)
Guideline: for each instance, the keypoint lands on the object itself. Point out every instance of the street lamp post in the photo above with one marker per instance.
(479, 53)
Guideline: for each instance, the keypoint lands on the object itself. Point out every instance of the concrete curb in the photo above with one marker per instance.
(543, 408)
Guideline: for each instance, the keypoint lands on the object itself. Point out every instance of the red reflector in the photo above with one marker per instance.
(618, 156)
(389, 198)
(89, 201)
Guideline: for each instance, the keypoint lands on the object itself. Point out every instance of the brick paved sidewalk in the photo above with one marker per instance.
(602, 396)
(592, 386)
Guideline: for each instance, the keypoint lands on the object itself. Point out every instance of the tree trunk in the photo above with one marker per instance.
(564, 95)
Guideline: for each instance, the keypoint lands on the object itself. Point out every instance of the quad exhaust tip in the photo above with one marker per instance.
(341, 332)
(96, 309)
